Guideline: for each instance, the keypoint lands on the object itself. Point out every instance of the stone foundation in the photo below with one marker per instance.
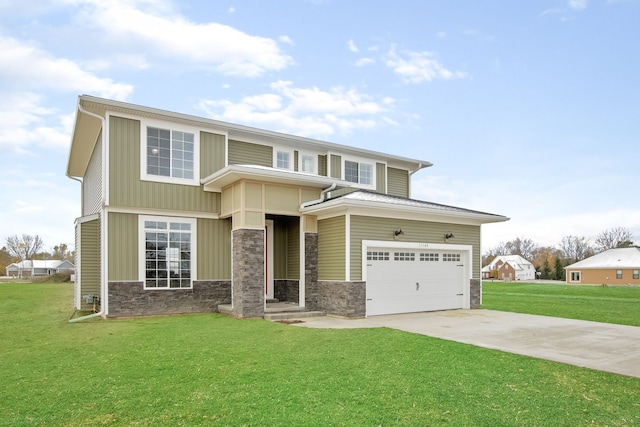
(286, 290)
(128, 299)
(248, 273)
(346, 299)
(475, 286)
(311, 271)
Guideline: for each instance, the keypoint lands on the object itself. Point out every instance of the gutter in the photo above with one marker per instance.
(102, 287)
(323, 196)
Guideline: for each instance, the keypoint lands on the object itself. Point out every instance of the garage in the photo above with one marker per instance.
(415, 277)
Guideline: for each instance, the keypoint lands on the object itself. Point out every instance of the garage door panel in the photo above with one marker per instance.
(404, 281)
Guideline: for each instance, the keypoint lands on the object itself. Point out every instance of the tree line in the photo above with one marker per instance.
(29, 247)
(550, 261)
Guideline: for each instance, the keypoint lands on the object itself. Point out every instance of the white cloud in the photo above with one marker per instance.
(305, 111)
(24, 65)
(352, 46)
(362, 62)
(418, 67)
(441, 34)
(577, 4)
(171, 37)
(286, 39)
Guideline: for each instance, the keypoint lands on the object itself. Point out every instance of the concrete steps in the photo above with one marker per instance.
(276, 311)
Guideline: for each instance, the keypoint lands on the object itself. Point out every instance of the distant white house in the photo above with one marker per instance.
(509, 268)
(39, 267)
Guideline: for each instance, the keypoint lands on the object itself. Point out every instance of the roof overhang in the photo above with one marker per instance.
(231, 174)
(342, 206)
(86, 132)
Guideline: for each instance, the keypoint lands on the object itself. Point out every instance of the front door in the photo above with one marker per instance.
(268, 259)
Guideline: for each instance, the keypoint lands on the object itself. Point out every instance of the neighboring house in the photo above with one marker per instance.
(509, 268)
(36, 267)
(620, 266)
(186, 214)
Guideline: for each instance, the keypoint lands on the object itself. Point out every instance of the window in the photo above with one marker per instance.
(307, 164)
(404, 256)
(377, 256)
(362, 173)
(431, 257)
(169, 155)
(635, 274)
(575, 276)
(451, 257)
(168, 254)
(618, 274)
(283, 160)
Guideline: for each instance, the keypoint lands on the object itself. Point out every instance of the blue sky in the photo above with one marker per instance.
(526, 109)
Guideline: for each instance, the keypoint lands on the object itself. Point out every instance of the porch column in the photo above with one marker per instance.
(248, 273)
(311, 270)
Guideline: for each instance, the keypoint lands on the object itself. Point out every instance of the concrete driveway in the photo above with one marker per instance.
(601, 346)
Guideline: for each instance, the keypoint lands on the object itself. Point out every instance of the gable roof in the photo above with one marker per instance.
(612, 258)
(516, 261)
(365, 202)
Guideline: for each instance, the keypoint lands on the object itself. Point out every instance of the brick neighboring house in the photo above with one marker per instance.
(509, 268)
(619, 266)
(185, 214)
(34, 268)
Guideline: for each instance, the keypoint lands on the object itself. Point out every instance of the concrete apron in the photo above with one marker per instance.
(601, 346)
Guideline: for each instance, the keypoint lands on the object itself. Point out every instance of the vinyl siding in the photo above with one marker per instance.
(92, 182)
(374, 228)
(331, 249)
(126, 189)
(214, 249)
(381, 178)
(212, 153)
(89, 260)
(336, 166)
(286, 248)
(322, 165)
(246, 153)
(123, 247)
(293, 248)
(397, 182)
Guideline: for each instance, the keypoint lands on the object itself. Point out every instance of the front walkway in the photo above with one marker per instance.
(600, 346)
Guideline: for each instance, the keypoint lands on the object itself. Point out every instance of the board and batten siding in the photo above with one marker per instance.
(322, 165)
(89, 260)
(123, 247)
(247, 153)
(92, 181)
(286, 248)
(214, 249)
(128, 190)
(335, 166)
(375, 228)
(212, 153)
(331, 248)
(293, 248)
(397, 182)
(381, 178)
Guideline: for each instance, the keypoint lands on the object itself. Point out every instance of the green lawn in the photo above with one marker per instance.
(609, 304)
(212, 370)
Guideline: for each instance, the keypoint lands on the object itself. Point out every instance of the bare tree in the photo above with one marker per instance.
(617, 237)
(524, 247)
(576, 248)
(25, 247)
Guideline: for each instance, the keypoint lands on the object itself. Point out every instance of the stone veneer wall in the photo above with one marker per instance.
(476, 293)
(311, 271)
(248, 273)
(346, 299)
(286, 290)
(128, 299)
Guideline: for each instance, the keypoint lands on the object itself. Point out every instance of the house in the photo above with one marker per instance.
(37, 267)
(619, 266)
(186, 214)
(509, 268)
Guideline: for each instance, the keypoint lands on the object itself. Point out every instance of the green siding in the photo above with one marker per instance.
(286, 248)
(214, 249)
(279, 249)
(212, 153)
(398, 182)
(336, 166)
(373, 228)
(295, 161)
(322, 165)
(123, 247)
(89, 260)
(125, 187)
(381, 178)
(246, 153)
(331, 249)
(293, 248)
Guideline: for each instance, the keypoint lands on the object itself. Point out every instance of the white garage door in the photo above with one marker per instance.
(412, 280)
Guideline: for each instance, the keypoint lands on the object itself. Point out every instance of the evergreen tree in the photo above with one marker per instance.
(546, 270)
(559, 272)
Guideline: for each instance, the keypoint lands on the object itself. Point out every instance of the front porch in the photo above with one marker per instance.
(279, 310)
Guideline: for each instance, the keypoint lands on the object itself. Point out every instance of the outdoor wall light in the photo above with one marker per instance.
(448, 236)
(398, 232)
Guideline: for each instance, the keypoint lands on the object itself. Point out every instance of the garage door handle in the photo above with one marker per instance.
(417, 286)
(459, 295)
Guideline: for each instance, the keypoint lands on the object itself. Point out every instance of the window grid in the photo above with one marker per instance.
(282, 160)
(404, 256)
(429, 256)
(618, 274)
(635, 274)
(170, 153)
(377, 256)
(575, 276)
(168, 254)
(307, 164)
(451, 257)
(361, 173)
(351, 171)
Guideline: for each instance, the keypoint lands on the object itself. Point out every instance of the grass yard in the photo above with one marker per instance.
(212, 370)
(609, 304)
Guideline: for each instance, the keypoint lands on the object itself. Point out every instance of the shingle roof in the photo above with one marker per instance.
(612, 258)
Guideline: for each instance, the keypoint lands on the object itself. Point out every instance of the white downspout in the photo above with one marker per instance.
(102, 285)
(323, 195)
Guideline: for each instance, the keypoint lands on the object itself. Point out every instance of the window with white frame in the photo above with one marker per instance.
(359, 172)
(636, 275)
(283, 160)
(169, 154)
(575, 276)
(307, 163)
(167, 252)
(618, 274)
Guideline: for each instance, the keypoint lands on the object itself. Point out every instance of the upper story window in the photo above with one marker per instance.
(283, 159)
(307, 163)
(169, 155)
(359, 172)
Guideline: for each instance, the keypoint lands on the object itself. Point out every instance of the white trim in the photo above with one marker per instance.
(161, 212)
(105, 159)
(171, 127)
(141, 250)
(347, 247)
(468, 272)
(314, 159)
(360, 161)
(104, 274)
(571, 273)
(289, 151)
(302, 282)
